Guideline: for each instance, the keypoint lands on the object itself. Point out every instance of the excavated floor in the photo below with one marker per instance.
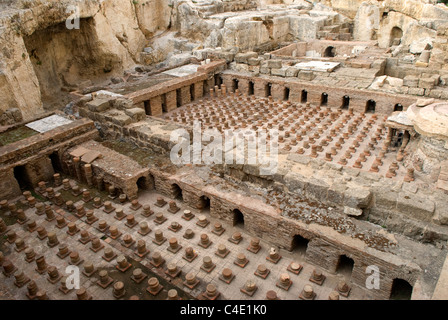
(228, 291)
(339, 136)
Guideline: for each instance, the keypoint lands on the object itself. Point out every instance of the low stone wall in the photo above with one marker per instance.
(325, 246)
(168, 95)
(101, 175)
(32, 155)
(358, 99)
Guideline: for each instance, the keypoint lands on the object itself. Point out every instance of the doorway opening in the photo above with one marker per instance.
(300, 244)
(268, 90)
(324, 99)
(304, 96)
(56, 162)
(204, 203)
(401, 290)
(234, 85)
(345, 102)
(238, 218)
(370, 106)
(286, 94)
(330, 52)
(251, 88)
(147, 105)
(345, 266)
(398, 107)
(22, 178)
(176, 191)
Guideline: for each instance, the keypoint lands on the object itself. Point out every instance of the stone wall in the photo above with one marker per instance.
(358, 99)
(177, 91)
(32, 154)
(34, 63)
(324, 249)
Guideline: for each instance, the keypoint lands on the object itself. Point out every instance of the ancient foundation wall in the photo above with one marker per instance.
(322, 250)
(29, 159)
(169, 95)
(384, 103)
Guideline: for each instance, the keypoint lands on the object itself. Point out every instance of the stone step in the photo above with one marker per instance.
(345, 36)
(322, 34)
(332, 28)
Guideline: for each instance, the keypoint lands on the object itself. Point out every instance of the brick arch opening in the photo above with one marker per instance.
(401, 290)
(330, 52)
(176, 191)
(395, 36)
(142, 183)
(251, 88)
(56, 162)
(398, 107)
(238, 218)
(286, 94)
(370, 106)
(304, 96)
(235, 83)
(218, 80)
(299, 244)
(21, 175)
(324, 99)
(268, 89)
(345, 266)
(192, 92)
(345, 102)
(204, 203)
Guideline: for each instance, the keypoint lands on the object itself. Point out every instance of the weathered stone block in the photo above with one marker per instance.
(292, 72)
(253, 61)
(416, 91)
(415, 206)
(136, 114)
(335, 194)
(276, 64)
(410, 81)
(357, 197)
(244, 57)
(306, 75)
(317, 189)
(98, 105)
(278, 72)
(426, 83)
(265, 70)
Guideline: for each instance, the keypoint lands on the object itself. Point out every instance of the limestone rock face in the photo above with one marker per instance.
(239, 32)
(153, 15)
(431, 120)
(366, 22)
(417, 36)
(417, 46)
(19, 87)
(43, 55)
(305, 27)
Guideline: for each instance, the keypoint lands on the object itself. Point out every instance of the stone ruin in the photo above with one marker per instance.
(356, 95)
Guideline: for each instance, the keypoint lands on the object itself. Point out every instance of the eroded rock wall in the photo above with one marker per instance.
(41, 55)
